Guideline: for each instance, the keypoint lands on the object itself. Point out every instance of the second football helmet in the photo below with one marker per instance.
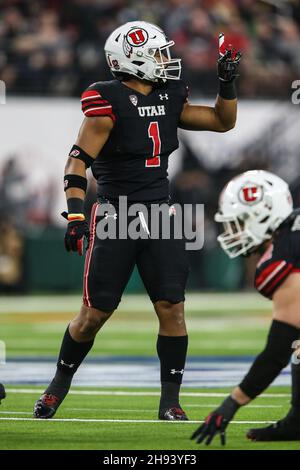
(251, 207)
(141, 49)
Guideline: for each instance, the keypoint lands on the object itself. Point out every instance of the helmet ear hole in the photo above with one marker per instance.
(138, 63)
(264, 219)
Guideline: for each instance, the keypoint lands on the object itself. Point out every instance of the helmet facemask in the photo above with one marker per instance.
(237, 239)
(166, 67)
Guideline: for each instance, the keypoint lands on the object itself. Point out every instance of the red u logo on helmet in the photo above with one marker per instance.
(137, 37)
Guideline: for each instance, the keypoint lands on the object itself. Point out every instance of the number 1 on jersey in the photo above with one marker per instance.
(153, 133)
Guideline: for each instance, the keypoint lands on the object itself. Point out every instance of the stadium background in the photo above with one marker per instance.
(49, 52)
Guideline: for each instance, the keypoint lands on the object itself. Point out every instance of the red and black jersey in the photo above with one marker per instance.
(134, 160)
(281, 258)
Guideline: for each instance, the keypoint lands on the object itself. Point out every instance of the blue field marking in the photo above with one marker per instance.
(133, 371)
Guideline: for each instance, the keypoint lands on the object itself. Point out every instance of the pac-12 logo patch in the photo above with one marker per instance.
(137, 37)
(133, 99)
(250, 193)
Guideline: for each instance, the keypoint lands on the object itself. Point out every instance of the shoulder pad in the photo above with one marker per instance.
(95, 100)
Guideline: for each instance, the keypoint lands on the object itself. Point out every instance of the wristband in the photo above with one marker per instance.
(75, 205)
(227, 90)
(75, 181)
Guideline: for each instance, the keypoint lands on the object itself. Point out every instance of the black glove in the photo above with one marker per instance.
(217, 422)
(228, 65)
(77, 231)
(214, 423)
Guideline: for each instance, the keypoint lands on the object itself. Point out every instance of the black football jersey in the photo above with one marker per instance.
(134, 160)
(281, 258)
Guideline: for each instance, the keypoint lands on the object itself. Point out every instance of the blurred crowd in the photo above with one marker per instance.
(55, 47)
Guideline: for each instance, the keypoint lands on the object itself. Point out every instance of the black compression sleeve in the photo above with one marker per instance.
(271, 360)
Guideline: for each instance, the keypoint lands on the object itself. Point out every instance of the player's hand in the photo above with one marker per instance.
(215, 423)
(228, 62)
(77, 232)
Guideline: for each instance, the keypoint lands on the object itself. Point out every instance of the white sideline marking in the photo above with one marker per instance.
(141, 394)
(72, 420)
(218, 404)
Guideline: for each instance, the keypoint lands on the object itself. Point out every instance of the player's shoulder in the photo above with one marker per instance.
(178, 87)
(103, 87)
(99, 98)
(281, 257)
(287, 238)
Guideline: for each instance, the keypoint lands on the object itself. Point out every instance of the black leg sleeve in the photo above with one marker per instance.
(271, 360)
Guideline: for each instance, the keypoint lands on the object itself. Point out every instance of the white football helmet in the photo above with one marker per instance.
(251, 207)
(141, 49)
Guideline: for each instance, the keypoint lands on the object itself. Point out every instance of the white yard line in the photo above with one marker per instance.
(139, 410)
(140, 394)
(218, 404)
(81, 420)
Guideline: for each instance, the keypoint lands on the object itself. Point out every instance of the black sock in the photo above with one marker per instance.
(171, 351)
(60, 385)
(70, 357)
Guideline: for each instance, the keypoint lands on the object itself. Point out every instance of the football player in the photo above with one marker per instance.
(257, 212)
(2, 392)
(129, 130)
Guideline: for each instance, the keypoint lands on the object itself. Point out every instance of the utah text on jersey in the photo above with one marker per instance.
(152, 111)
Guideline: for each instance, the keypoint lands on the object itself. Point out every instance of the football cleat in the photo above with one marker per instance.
(2, 392)
(283, 430)
(173, 414)
(46, 406)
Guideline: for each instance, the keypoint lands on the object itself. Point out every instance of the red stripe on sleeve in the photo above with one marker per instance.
(90, 94)
(278, 278)
(94, 105)
(100, 112)
(268, 273)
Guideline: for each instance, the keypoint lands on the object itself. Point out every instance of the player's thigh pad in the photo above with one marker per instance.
(163, 267)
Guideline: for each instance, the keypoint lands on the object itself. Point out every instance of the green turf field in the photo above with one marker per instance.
(129, 421)
(233, 325)
(218, 325)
